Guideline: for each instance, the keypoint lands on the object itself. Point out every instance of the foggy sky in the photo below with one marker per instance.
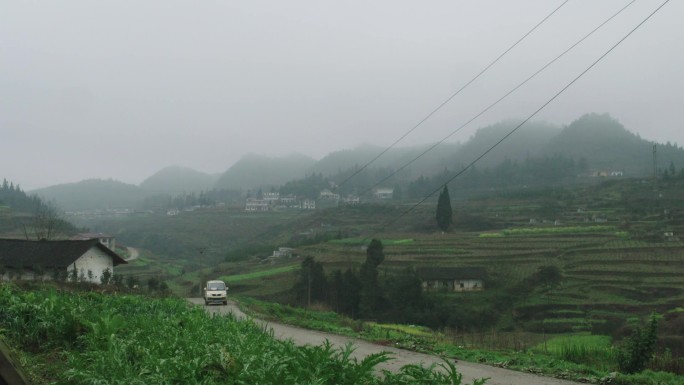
(122, 89)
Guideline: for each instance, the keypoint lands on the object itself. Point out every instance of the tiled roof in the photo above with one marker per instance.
(20, 253)
(83, 236)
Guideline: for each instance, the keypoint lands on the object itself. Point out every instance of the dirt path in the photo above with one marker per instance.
(133, 254)
(470, 371)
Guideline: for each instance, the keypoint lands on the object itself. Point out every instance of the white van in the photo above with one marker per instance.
(216, 292)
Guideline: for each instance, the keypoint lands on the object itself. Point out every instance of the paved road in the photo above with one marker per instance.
(132, 254)
(470, 371)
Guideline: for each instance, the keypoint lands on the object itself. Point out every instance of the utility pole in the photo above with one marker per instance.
(655, 162)
(308, 301)
(199, 271)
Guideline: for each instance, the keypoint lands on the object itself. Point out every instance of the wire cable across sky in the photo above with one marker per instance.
(549, 101)
(445, 102)
(542, 69)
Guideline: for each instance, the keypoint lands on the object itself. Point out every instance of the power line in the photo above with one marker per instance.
(523, 122)
(440, 106)
(445, 102)
(543, 68)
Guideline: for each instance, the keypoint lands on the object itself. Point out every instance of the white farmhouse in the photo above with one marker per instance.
(452, 278)
(85, 259)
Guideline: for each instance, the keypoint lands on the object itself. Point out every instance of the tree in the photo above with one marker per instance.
(345, 292)
(106, 277)
(444, 212)
(153, 284)
(405, 295)
(370, 295)
(45, 224)
(312, 285)
(639, 348)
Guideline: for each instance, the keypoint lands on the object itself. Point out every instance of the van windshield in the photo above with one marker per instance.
(216, 286)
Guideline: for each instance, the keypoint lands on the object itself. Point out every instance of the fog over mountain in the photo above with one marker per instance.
(178, 179)
(594, 143)
(124, 89)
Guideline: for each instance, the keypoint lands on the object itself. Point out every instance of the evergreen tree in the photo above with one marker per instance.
(405, 296)
(312, 285)
(370, 295)
(444, 213)
(345, 288)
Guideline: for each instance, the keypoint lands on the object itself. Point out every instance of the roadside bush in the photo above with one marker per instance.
(639, 349)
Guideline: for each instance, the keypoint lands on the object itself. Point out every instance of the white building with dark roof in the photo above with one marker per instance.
(85, 259)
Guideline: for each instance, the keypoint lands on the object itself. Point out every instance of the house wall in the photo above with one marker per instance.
(468, 285)
(11, 274)
(453, 285)
(93, 260)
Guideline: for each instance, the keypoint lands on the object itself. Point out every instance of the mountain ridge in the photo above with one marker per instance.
(598, 140)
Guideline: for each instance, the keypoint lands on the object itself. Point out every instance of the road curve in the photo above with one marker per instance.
(469, 370)
(133, 254)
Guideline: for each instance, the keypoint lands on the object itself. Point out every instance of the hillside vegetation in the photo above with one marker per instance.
(91, 338)
(616, 246)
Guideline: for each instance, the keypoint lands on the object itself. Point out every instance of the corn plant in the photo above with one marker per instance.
(134, 340)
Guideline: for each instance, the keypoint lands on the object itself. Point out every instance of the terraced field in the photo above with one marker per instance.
(606, 239)
(604, 275)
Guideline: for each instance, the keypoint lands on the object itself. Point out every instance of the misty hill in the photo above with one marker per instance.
(340, 161)
(598, 140)
(177, 179)
(527, 141)
(254, 171)
(92, 194)
(608, 146)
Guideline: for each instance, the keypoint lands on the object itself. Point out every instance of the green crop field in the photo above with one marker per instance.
(93, 338)
(259, 274)
(605, 239)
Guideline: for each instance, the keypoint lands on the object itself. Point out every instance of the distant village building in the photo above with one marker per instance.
(172, 212)
(604, 174)
(327, 194)
(272, 197)
(351, 200)
(43, 260)
(599, 219)
(309, 204)
(254, 204)
(288, 200)
(283, 252)
(383, 193)
(452, 279)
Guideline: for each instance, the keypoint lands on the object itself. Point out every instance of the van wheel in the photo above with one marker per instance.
(206, 303)
(225, 302)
